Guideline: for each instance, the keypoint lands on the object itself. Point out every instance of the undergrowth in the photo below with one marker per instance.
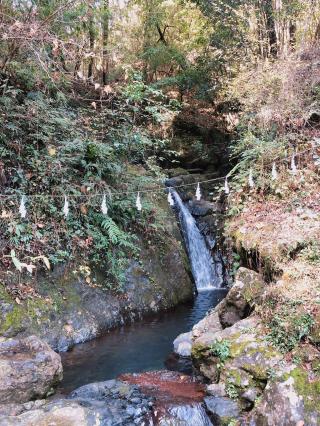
(288, 328)
(49, 149)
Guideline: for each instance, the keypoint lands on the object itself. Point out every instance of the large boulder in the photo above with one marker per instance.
(242, 297)
(289, 400)
(237, 357)
(29, 369)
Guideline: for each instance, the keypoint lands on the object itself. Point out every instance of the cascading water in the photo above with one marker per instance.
(202, 264)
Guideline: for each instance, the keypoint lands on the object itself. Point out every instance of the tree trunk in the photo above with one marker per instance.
(282, 28)
(91, 44)
(105, 41)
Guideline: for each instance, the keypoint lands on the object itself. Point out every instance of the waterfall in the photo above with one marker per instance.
(202, 265)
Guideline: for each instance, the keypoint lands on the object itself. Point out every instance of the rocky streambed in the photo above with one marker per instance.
(239, 378)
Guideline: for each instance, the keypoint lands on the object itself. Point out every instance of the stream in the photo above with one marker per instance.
(142, 346)
(142, 352)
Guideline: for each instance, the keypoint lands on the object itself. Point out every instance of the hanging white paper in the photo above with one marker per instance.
(274, 173)
(104, 207)
(170, 199)
(250, 179)
(66, 207)
(226, 186)
(138, 202)
(198, 193)
(22, 207)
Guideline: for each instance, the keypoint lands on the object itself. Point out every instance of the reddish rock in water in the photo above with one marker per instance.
(176, 395)
(168, 386)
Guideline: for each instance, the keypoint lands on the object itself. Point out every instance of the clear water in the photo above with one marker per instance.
(203, 268)
(141, 346)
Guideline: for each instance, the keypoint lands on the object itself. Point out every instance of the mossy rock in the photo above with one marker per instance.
(248, 351)
(242, 298)
(292, 398)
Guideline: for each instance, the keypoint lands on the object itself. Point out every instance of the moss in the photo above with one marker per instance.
(198, 351)
(4, 295)
(309, 390)
(227, 421)
(234, 377)
(237, 347)
(12, 322)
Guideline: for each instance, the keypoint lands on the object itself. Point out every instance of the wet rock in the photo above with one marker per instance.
(182, 344)
(223, 409)
(242, 297)
(289, 400)
(182, 180)
(201, 207)
(176, 172)
(28, 369)
(175, 362)
(177, 398)
(107, 403)
(184, 415)
(174, 181)
(108, 389)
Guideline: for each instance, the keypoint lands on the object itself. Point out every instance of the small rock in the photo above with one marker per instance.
(218, 389)
(182, 344)
(222, 409)
(251, 394)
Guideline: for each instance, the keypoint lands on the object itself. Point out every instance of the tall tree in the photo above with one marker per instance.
(105, 40)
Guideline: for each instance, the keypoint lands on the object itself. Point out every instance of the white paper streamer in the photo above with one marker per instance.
(66, 207)
(198, 193)
(274, 173)
(22, 207)
(250, 179)
(138, 202)
(293, 165)
(226, 186)
(170, 199)
(104, 207)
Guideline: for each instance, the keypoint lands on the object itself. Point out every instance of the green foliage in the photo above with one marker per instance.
(115, 234)
(253, 150)
(231, 390)
(221, 349)
(311, 253)
(51, 149)
(287, 330)
(236, 263)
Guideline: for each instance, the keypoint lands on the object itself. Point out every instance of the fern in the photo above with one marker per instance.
(115, 234)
